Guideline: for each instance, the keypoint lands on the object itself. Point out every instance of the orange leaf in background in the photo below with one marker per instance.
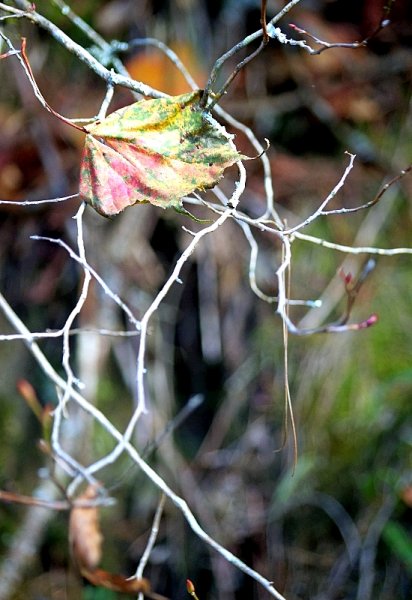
(155, 69)
(84, 532)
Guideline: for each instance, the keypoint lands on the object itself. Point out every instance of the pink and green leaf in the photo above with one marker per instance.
(153, 151)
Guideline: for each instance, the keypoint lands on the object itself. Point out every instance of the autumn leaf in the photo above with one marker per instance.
(84, 532)
(118, 583)
(153, 151)
(86, 548)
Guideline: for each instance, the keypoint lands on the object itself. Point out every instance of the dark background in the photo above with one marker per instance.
(338, 524)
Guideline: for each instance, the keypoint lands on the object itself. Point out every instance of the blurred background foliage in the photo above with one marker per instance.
(338, 525)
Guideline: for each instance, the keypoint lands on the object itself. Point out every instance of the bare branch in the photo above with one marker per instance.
(240, 46)
(352, 249)
(150, 542)
(384, 22)
(83, 55)
(339, 326)
(321, 210)
(96, 276)
(35, 202)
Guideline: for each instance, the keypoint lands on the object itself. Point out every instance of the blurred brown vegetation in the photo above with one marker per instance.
(339, 525)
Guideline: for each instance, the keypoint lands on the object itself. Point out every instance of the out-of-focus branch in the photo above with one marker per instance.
(384, 22)
(82, 54)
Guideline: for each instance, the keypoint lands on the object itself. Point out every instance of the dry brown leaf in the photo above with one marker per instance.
(84, 532)
(86, 547)
(116, 583)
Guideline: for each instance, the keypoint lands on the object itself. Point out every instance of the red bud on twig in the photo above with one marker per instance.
(368, 322)
(191, 589)
(296, 28)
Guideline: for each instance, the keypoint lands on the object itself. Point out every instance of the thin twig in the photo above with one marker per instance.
(289, 415)
(321, 210)
(79, 305)
(150, 542)
(339, 326)
(254, 251)
(57, 505)
(24, 61)
(234, 50)
(263, 7)
(192, 404)
(48, 334)
(270, 212)
(95, 37)
(375, 200)
(218, 95)
(60, 409)
(384, 22)
(49, 371)
(95, 275)
(35, 202)
(352, 249)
